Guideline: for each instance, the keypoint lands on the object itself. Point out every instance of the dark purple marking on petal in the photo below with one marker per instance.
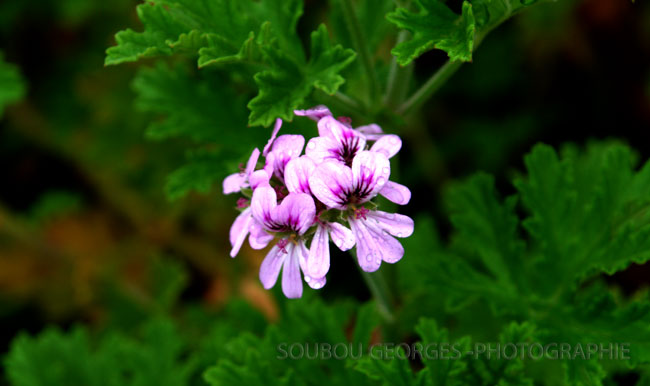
(282, 244)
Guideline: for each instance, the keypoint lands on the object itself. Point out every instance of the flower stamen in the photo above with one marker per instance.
(361, 213)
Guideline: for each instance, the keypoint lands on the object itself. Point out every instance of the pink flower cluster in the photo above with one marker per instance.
(304, 201)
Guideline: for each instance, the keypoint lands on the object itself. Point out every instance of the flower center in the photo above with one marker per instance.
(282, 244)
(361, 213)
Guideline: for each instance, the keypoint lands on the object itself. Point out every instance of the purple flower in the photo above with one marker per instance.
(342, 170)
(338, 186)
(336, 142)
(291, 218)
(340, 142)
(341, 187)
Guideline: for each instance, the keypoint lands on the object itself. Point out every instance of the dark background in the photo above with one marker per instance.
(81, 198)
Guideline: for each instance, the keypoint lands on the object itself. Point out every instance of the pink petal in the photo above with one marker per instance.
(276, 129)
(348, 141)
(368, 252)
(315, 283)
(370, 172)
(297, 212)
(303, 254)
(333, 128)
(259, 238)
(290, 144)
(259, 178)
(315, 113)
(252, 161)
(263, 202)
(297, 173)
(327, 124)
(330, 183)
(318, 262)
(239, 230)
(233, 183)
(396, 224)
(286, 148)
(374, 245)
(392, 250)
(388, 145)
(321, 149)
(269, 165)
(342, 237)
(270, 268)
(291, 279)
(371, 129)
(396, 193)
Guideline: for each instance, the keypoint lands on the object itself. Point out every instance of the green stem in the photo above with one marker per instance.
(398, 76)
(380, 292)
(350, 103)
(427, 89)
(359, 42)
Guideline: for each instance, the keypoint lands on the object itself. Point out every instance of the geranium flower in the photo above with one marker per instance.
(290, 219)
(347, 188)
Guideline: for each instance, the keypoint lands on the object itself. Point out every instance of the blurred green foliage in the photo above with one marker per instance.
(535, 266)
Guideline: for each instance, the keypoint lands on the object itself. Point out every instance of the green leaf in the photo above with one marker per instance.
(192, 105)
(487, 228)
(56, 359)
(217, 30)
(252, 362)
(394, 371)
(584, 372)
(435, 26)
(198, 175)
(431, 268)
(12, 86)
(446, 371)
(285, 86)
(312, 329)
(156, 358)
(588, 214)
(161, 28)
(598, 315)
(367, 320)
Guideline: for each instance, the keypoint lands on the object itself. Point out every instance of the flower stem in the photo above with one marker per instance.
(360, 45)
(427, 89)
(398, 76)
(346, 100)
(379, 289)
